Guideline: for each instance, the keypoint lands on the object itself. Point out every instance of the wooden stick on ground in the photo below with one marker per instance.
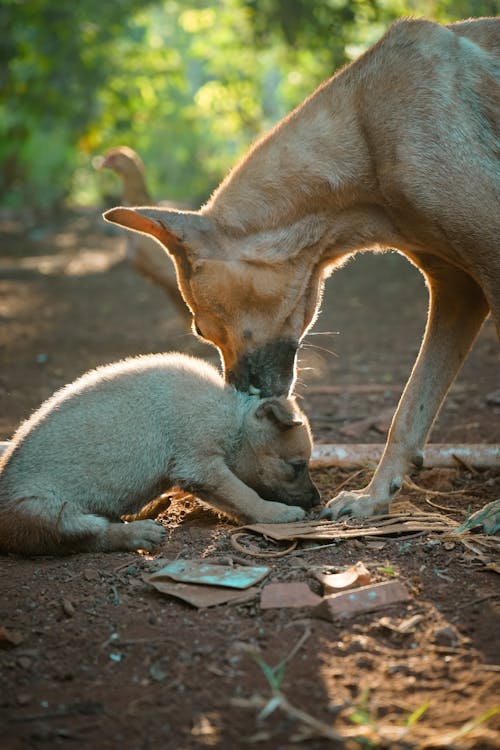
(482, 456)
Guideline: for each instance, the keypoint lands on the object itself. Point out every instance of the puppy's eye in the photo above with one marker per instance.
(298, 467)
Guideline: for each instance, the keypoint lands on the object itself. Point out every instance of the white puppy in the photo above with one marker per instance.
(108, 444)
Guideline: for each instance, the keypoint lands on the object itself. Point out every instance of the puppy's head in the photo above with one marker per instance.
(275, 453)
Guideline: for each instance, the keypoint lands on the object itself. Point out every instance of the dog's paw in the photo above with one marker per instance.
(358, 504)
(280, 513)
(145, 534)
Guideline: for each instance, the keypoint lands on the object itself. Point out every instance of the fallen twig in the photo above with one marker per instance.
(251, 549)
(410, 484)
(471, 456)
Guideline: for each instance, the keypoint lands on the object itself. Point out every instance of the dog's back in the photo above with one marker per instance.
(485, 32)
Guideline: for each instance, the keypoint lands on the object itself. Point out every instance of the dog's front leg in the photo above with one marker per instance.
(230, 495)
(457, 310)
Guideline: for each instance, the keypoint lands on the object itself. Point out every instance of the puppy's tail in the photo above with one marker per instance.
(35, 526)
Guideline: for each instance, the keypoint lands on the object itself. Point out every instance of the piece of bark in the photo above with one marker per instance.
(360, 528)
(358, 601)
(203, 596)
(355, 576)
(295, 594)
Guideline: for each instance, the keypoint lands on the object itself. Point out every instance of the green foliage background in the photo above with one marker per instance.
(188, 84)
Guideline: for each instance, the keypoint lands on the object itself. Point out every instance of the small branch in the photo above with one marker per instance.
(473, 456)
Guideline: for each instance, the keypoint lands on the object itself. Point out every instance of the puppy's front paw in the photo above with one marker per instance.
(280, 513)
(354, 503)
(145, 534)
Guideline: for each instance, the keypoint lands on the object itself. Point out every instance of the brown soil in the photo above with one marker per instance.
(94, 657)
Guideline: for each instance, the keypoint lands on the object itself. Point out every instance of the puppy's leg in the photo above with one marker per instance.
(85, 532)
(230, 495)
(41, 526)
(457, 310)
(91, 533)
(146, 534)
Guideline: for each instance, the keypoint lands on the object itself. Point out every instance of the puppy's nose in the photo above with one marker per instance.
(310, 497)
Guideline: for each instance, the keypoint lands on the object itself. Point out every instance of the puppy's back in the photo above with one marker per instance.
(84, 439)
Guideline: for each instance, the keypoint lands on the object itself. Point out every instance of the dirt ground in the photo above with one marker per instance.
(91, 656)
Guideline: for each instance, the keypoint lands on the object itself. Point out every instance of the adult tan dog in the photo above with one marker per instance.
(398, 150)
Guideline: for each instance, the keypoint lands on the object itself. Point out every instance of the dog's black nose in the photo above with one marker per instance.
(266, 371)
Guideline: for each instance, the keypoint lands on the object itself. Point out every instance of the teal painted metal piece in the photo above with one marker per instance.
(193, 571)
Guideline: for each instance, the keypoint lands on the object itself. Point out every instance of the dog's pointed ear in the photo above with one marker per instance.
(178, 231)
(280, 411)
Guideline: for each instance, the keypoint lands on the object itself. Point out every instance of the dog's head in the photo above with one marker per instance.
(273, 458)
(251, 295)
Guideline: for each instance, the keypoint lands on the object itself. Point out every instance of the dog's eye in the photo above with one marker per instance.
(197, 331)
(298, 468)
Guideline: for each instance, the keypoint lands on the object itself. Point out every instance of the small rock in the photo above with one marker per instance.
(184, 657)
(493, 398)
(67, 608)
(399, 669)
(364, 599)
(24, 662)
(157, 673)
(295, 594)
(364, 662)
(9, 638)
(446, 636)
(90, 574)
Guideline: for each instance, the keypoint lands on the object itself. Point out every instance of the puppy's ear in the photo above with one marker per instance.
(279, 411)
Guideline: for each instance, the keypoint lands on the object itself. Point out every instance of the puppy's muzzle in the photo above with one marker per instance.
(306, 497)
(267, 371)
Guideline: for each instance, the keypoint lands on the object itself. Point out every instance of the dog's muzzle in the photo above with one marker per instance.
(267, 371)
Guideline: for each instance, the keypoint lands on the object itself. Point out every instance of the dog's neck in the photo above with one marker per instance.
(286, 171)
(310, 182)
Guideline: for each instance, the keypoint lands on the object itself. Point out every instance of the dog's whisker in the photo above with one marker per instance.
(308, 345)
(301, 383)
(322, 333)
